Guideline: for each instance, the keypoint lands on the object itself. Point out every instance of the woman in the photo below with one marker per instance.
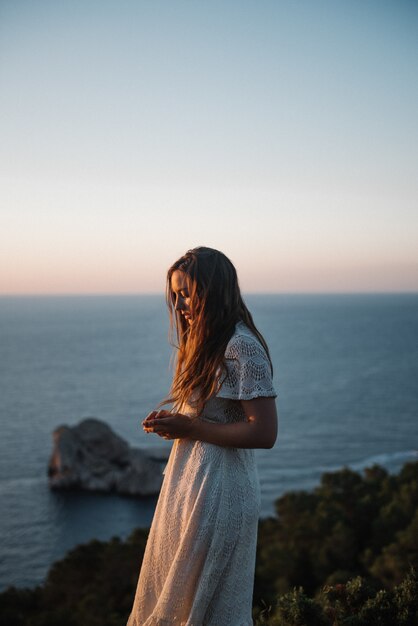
(198, 566)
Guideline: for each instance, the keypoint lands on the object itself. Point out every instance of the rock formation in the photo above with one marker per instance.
(91, 456)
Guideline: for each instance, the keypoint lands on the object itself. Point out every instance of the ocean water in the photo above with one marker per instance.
(346, 371)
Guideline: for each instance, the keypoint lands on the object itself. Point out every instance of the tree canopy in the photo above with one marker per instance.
(344, 554)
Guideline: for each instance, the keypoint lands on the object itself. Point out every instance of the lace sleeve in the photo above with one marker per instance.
(248, 372)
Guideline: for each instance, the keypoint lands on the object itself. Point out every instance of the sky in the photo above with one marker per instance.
(284, 133)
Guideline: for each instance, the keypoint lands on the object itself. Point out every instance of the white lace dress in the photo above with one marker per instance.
(198, 566)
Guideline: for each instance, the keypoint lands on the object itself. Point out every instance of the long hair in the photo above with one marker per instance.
(216, 307)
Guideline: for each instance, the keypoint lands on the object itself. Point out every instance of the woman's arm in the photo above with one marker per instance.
(258, 431)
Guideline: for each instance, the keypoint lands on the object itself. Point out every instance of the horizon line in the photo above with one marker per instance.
(245, 293)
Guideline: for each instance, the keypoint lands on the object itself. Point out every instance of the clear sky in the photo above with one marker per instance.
(284, 133)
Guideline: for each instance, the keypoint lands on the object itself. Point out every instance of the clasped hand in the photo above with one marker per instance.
(168, 425)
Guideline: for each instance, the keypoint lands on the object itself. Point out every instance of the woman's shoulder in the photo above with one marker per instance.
(248, 373)
(243, 341)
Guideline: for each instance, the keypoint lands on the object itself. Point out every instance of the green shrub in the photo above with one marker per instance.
(343, 555)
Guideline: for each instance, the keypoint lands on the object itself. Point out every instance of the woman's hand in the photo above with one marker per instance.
(258, 430)
(168, 425)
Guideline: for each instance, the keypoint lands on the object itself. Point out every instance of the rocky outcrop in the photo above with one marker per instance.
(91, 456)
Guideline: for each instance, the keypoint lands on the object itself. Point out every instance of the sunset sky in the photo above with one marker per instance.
(284, 133)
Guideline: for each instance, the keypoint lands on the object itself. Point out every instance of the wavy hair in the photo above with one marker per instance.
(216, 306)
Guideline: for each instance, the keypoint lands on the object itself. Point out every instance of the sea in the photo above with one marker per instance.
(345, 369)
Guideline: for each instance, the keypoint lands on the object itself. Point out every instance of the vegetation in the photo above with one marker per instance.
(345, 554)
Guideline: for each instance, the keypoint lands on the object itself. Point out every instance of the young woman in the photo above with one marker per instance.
(198, 566)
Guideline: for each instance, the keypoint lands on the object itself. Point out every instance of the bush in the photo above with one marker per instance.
(342, 555)
(350, 525)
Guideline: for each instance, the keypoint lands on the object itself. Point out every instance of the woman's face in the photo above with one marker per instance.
(180, 287)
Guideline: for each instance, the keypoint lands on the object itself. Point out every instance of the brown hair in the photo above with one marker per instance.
(216, 307)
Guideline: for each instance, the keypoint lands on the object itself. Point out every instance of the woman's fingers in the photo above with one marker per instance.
(149, 421)
(159, 426)
(151, 417)
(166, 424)
(176, 426)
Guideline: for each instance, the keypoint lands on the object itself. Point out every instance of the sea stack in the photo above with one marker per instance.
(91, 456)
